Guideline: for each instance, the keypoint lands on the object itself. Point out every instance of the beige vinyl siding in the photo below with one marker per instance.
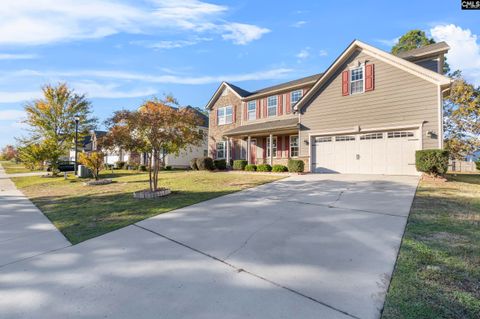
(399, 99)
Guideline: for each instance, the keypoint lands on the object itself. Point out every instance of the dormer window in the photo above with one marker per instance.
(356, 80)
(272, 103)
(295, 96)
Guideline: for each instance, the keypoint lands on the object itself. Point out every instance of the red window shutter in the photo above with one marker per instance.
(369, 77)
(279, 146)
(345, 75)
(265, 107)
(288, 107)
(234, 113)
(259, 113)
(233, 150)
(280, 104)
(287, 146)
(245, 111)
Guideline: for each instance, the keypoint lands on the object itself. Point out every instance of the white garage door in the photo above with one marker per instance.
(391, 152)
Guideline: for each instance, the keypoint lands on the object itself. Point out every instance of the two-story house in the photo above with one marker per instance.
(367, 113)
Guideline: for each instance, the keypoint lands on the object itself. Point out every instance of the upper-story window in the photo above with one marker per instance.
(225, 115)
(295, 96)
(252, 110)
(272, 103)
(356, 80)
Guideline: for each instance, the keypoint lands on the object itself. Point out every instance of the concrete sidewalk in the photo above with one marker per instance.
(24, 230)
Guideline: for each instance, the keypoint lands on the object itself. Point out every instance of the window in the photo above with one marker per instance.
(272, 105)
(324, 139)
(373, 136)
(344, 138)
(356, 80)
(252, 110)
(274, 146)
(400, 134)
(205, 153)
(295, 96)
(225, 115)
(221, 149)
(293, 145)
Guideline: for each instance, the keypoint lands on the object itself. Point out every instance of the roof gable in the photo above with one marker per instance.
(389, 58)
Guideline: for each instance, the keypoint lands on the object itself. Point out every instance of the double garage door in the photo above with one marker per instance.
(391, 152)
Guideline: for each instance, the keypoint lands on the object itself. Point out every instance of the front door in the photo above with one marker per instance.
(253, 151)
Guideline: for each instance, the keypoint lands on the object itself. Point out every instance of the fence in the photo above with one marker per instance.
(462, 166)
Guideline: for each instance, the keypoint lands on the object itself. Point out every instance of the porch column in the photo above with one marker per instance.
(228, 151)
(248, 149)
(271, 149)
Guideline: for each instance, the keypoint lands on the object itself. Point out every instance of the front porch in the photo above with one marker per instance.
(271, 142)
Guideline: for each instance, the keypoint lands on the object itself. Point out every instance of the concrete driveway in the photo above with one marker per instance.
(311, 246)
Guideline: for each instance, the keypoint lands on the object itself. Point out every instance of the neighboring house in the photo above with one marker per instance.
(182, 160)
(367, 113)
(90, 143)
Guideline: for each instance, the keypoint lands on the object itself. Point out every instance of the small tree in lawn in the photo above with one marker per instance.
(93, 161)
(158, 127)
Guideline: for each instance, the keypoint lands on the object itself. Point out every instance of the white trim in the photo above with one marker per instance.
(218, 91)
(225, 115)
(274, 137)
(291, 95)
(391, 59)
(440, 119)
(276, 105)
(350, 69)
(352, 131)
(290, 146)
(248, 111)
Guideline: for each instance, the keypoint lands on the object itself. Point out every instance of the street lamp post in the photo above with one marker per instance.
(77, 119)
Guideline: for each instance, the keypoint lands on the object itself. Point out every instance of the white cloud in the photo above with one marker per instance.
(17, 56)
(275, 73)
(171, 44)
(303, 54)
(388, 42)
(26, 22)
(241, 33)
(97, 90)
(21, 96)
(323, 53)
(11, 115)
(464, 51)
(299, 24)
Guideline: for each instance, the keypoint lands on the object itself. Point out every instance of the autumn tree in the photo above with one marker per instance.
(8, 153)
(32, 155)
(158, 127)
(51, 121)
(93, 161)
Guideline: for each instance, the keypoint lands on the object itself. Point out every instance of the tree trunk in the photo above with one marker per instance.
(150, 163)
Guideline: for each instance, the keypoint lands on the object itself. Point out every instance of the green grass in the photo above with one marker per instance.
(82, 212)
(437, 274)
(14, 168)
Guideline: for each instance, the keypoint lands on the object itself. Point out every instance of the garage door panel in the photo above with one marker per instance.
(391, 152)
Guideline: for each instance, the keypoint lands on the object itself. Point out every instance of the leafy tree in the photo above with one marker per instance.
(156, 128)
(51, 121)
(462, 118)
(32, 155)
(93, 161)
(8, 153)
(413, 39)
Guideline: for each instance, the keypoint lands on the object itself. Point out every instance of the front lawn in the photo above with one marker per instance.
(14, 168)
(82, 212)
(437, 274)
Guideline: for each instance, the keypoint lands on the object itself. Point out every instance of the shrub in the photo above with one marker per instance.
(296, 166)
(433, 162)
(93, 161)
(264, 168)
(168, 168)
(220, 164)
(143, 168)
(108, 166)
(193, 164)
(477, 164)
(205, 163)
(250, 167)
(120, 164)
(239, 165)
(278, 168)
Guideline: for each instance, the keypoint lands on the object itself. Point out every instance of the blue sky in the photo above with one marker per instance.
(120, 53)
